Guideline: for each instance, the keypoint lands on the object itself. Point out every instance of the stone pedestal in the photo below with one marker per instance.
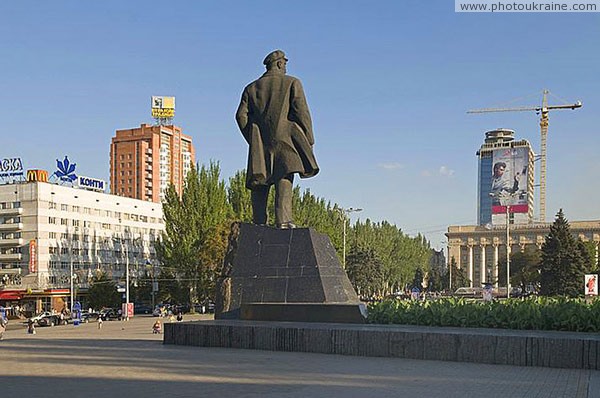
(284, 275)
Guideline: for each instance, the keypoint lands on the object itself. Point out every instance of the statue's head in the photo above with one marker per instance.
(276, 60)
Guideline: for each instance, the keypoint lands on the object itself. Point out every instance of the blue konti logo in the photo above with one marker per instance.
(66, 170)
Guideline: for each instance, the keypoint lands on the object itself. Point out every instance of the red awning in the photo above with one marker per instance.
(6, 296)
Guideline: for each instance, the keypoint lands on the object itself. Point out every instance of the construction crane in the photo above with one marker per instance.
(544, 109)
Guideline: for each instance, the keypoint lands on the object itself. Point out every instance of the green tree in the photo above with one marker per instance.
(591, 255)
(459, 275)
(103, 292)
(418, 279)
(193, 243)
(365, 271)
(524, 268)
(564, 261)
(239, 197)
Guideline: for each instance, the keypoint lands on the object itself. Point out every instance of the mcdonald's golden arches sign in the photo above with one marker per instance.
(37, 175)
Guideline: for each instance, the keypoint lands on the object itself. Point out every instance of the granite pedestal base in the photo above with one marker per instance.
(284, 275)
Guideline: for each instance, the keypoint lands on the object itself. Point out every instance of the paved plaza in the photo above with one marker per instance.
(126, 359)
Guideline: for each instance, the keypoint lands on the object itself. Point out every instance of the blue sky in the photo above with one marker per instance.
(388, 84)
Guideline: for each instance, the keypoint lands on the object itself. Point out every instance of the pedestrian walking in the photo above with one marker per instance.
(99, 322)
(3, 324)
(30, 326)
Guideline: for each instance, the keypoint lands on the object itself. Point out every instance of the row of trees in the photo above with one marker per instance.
(197, 225)
(380, 259)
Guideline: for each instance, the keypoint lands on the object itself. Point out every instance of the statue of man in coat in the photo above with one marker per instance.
(274, 119)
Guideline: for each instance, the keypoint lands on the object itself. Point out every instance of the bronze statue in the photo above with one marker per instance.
(274, 119)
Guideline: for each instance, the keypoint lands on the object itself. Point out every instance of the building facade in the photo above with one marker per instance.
(505, 189)
(146, 159)
(477, 249)
(48, 230)
(505, 178)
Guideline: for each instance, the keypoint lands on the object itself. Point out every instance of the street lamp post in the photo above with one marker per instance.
(507, 251)
(71, 279)
(345, 213)
(126, 283)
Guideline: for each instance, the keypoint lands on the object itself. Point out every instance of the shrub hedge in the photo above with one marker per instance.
(534, 313)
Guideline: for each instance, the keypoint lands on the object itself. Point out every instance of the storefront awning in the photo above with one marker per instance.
(7, 296)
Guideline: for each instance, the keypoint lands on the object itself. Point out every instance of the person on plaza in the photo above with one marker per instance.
(30, 326)
(100, 322)
(3, 325)
(180, 316)
(156, 328)
(274, 119)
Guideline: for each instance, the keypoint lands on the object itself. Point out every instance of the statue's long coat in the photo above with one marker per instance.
(274, 119)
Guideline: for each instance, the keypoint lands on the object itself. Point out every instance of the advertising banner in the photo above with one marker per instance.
(11, 169)
(591, 285)
(92, 184)
(509, 180)
(163, 107)
(33, 256)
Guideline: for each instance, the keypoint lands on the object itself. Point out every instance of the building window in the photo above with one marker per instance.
(52, 235)
(51, 220)
(64, 265)
(64, 207)
(76, 209)
(63, 221)
(64, 250)
(52, 250)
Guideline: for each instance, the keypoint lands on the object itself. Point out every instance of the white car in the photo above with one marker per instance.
(39, 316)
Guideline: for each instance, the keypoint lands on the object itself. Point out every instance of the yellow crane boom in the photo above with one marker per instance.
(544, 109)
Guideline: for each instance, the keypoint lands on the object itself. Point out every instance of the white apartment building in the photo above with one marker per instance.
(48, 229)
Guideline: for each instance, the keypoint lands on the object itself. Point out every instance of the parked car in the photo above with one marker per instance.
(109, 314)
(52, 320)
(142, 309)
(470, 292)
(87, 316)
(39, 316)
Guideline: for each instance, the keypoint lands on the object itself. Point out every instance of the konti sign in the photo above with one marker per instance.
(37, 175)
(92, 184)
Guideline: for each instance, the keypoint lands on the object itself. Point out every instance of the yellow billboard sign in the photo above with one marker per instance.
(161, 113)
(159, 102)
(163, 107)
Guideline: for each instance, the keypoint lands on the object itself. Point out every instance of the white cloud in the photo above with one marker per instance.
(445, 171)
(391, 165)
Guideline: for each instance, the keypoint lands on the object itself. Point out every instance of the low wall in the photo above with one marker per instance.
(493, 346)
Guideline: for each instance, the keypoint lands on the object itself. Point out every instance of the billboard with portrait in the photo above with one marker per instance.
(509, 180)
(163, 107)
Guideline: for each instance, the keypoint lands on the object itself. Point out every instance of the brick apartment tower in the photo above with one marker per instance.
(146, 159)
